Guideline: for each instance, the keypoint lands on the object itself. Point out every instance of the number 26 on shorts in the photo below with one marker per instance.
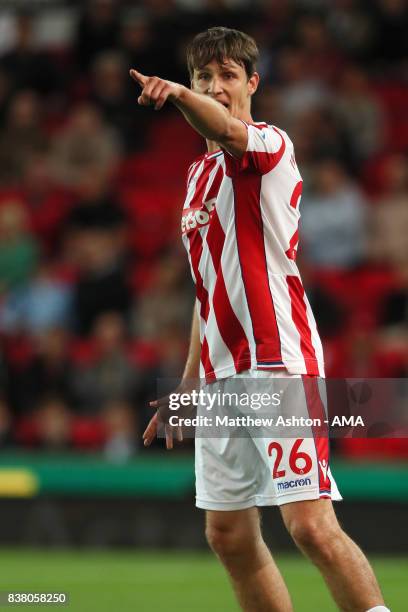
(299, 462)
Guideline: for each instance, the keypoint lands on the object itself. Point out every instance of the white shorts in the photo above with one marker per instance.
(235, 473)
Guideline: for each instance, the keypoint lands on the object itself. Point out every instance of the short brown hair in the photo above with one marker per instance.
(221, 44)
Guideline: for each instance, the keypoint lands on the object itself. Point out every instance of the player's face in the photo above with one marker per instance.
(228, 84)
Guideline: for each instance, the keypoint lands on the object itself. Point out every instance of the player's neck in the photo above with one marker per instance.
(213, 146)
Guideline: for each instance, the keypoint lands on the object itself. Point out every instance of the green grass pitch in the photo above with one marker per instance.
(167, 581)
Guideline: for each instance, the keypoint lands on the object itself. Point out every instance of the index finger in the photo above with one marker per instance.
(162, 401)
(138, 77)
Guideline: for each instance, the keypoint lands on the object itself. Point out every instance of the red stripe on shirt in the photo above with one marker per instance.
(262, 161)
(299, 316)
(196, 250)
(202, 182)
(297, 192)
(252, 256)
(191, 171)
(216, 183)
(292, 252)
(294, 200)
(316, 410)
(196, 241)
(229, 325)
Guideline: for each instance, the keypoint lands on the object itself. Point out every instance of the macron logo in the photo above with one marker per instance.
(293, 484)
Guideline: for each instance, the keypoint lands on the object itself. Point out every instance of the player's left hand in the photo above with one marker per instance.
(155, 91)
(151, 431)
(161, 418)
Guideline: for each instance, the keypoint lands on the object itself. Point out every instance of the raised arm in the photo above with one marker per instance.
(208, 117)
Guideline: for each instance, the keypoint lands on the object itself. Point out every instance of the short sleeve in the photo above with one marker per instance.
(265, 148)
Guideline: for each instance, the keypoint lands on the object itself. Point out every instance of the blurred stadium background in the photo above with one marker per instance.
(96, 297)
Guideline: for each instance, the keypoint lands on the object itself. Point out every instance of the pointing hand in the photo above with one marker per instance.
(155, 91)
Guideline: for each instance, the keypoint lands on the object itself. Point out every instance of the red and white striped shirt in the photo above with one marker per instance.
(240, 228)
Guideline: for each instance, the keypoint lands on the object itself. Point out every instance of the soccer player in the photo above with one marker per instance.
(252, 319)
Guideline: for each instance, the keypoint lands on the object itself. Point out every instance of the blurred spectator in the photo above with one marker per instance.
(48, 373)
(215, 12)
(320, 135)
(96, 206)
(361, 347)
(5, 91)
(322, 59)
(394, 315)
(353, 28)
(110, 376)
(300, 90)
(269, 106)
(360, 112)
(333, 219)
(26, 66)
(388, 228)
(138, 41)
(22, 136)
(172, 351)
(52, 422)
(391, 23)
(166, 17)
(4, 370)
(97, 30)
(46, 202)
(86, 144)
(6, 422)
(121, 431)
(115, 95)
(102, 283)
(330, 313)
(19, 251)
(171, 286)
(353, 355)
(43, 302)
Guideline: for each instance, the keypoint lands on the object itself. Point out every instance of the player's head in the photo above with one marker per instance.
(222, 63)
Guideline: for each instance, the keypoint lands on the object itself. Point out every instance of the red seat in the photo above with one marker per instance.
(82, 352)
(144, 354)
(394, 98)
(373, 448)
(174, 136)
(87, 433)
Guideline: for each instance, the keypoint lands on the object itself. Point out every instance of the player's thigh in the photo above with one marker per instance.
(233, 529)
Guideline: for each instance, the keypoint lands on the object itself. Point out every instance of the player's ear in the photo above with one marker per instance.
(192, 81)
(253, 83)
